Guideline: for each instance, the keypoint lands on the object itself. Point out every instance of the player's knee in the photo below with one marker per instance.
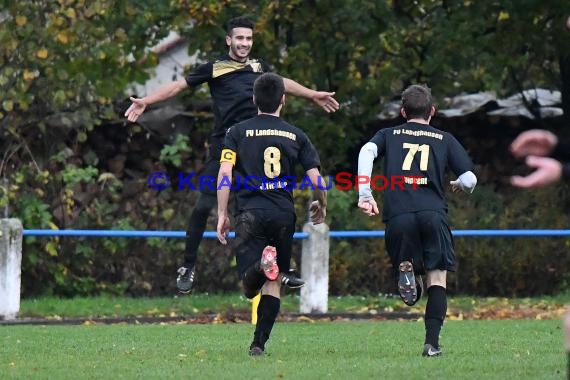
(272, 288)
(436, 277)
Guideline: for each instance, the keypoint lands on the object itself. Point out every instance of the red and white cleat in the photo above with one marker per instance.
(269, 263)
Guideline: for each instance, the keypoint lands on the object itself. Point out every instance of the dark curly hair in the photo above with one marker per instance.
(239, 22)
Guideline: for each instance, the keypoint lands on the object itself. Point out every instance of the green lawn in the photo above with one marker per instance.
(491, 349)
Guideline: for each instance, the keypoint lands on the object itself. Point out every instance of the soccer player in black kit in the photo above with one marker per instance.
(262, 152)
(230, 79)
(418, 237)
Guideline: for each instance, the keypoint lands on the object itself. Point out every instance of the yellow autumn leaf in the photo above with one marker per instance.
(503, 16)
(303, 318)
(12, 45)
(21, 20)
(70, 13)
(121, 34)
(200, 353)
(82, 137)
(102, 55)
(63, 38)
(168, 214)
(131, 10)
(29, 75)
(51, 248)
(104, 177)
(42, 53)
(59, 21)
(8, 105)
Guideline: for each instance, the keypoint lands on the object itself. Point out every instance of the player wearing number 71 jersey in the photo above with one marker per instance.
(418, 237)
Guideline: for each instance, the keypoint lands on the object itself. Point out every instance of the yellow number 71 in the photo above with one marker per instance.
(412, 150)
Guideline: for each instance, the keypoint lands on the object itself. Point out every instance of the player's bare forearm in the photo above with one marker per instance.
(223, 226)
(165, 92)
(323, 99)
(297, 89)
(224, 178)
(138, 105)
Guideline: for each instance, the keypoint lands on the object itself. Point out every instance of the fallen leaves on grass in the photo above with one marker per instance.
(505, 308)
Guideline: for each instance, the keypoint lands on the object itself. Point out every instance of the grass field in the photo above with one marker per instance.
(483, 338)
(496, 349)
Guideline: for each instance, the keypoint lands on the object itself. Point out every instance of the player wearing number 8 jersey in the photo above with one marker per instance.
(264, 150)
(418, 237)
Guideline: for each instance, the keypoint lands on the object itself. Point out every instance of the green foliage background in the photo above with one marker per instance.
(65, 66)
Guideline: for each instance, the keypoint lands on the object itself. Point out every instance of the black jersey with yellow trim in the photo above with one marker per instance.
(231, 88)
(416, 158)
(267, 151)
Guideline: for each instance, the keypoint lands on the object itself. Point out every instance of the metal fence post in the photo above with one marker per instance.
(11, 232)
(315, 269)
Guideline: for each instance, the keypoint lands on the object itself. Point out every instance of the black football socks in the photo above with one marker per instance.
(436, 309)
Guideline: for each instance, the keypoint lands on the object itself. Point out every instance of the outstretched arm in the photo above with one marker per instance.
(165, 92)
(323, 99)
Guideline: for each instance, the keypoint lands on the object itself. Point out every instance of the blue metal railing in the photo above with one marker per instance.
(298, 235)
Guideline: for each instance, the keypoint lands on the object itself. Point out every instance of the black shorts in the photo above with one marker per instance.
(423, 236)
(256, 229)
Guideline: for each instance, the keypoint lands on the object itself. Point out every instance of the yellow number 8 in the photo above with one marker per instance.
(272, 162)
